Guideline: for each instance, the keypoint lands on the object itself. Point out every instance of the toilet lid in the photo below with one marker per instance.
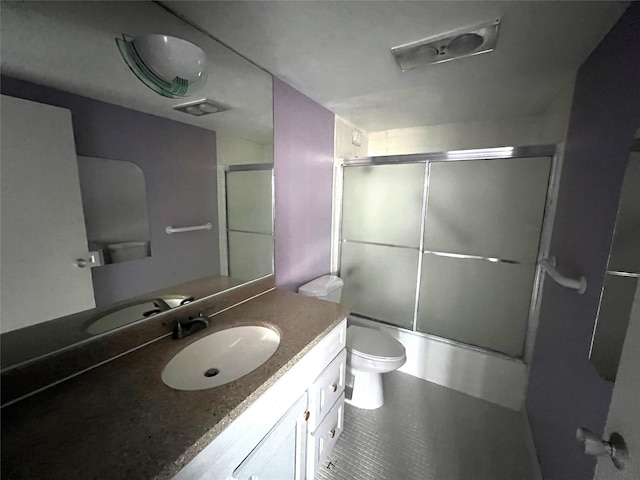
(372, 343)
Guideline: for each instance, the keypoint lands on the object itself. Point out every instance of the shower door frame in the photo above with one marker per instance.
(555, 152)
(225, 266)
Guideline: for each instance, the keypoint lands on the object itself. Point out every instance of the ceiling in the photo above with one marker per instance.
(338, 53)
(71, 46)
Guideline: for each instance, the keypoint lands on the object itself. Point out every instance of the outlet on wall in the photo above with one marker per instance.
(356, 137)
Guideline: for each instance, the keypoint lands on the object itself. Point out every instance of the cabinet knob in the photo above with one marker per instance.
(334, 388)
(332, 433)
(307, 414)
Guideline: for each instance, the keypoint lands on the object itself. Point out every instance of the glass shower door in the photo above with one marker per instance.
(480, 249)
(249, 221)
(381, 230)
(447, 248)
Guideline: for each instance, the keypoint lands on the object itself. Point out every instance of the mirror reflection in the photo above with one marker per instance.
(133, 166)
(249, 220)
(621, 277)
(116, 216)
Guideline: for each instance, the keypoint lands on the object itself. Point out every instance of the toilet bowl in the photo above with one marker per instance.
(370, 353)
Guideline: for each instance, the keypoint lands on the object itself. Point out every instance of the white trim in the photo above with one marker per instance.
(536, 473)
(336, 214)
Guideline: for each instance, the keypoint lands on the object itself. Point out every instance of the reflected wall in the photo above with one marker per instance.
(179, 165)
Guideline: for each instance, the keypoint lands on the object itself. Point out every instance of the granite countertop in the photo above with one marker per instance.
(120, 420)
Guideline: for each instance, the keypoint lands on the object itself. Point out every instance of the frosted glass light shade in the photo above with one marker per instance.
(169, 66)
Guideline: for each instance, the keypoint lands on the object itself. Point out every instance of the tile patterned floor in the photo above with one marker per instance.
(428, 432)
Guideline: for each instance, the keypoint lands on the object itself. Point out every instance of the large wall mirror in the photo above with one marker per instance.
(621, 277)
(148, 207)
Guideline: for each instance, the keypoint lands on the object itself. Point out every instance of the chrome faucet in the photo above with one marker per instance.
(193, 325)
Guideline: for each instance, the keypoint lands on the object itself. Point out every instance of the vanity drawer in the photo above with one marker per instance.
(321, 442)
(326, 389)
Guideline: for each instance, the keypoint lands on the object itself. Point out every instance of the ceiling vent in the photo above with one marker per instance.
(458, 44)
(201, 107)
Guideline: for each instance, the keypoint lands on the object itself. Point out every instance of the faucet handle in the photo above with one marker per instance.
(177, 330)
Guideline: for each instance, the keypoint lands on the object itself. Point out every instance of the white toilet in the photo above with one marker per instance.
(370, 353)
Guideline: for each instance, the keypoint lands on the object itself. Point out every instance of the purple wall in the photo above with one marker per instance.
(303, 150)
(179, 165)
(565, 391)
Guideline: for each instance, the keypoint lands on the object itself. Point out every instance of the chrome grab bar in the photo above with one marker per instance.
(549, 266)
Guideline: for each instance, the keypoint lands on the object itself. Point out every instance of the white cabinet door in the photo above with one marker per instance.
(624, 412)
(42, 222)
(281, 454)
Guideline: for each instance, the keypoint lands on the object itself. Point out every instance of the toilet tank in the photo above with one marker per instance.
(327, 287)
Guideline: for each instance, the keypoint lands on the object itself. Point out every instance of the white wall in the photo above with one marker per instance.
(623, 413)
(548, 127)
(344, 147)
(234, 151)
(556, 121)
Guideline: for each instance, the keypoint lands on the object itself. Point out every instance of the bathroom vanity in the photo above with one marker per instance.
(288, 431)
(120, 420)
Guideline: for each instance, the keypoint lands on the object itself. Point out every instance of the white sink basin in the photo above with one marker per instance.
(220, 358)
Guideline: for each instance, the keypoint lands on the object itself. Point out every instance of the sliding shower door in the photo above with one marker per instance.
(249, 220)
(447, 248)
(381, 231)
(480, 248)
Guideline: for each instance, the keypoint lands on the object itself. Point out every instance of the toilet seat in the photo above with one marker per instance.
(373, 345)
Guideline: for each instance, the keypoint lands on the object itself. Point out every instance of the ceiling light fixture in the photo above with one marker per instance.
(457, 44)
(169, 66)
(198, 108)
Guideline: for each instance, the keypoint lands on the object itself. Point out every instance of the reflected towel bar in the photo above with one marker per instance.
(206, 226)
(549, 266)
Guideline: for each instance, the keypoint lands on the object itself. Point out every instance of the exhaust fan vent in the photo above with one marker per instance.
(452, 45)
(200, 107)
